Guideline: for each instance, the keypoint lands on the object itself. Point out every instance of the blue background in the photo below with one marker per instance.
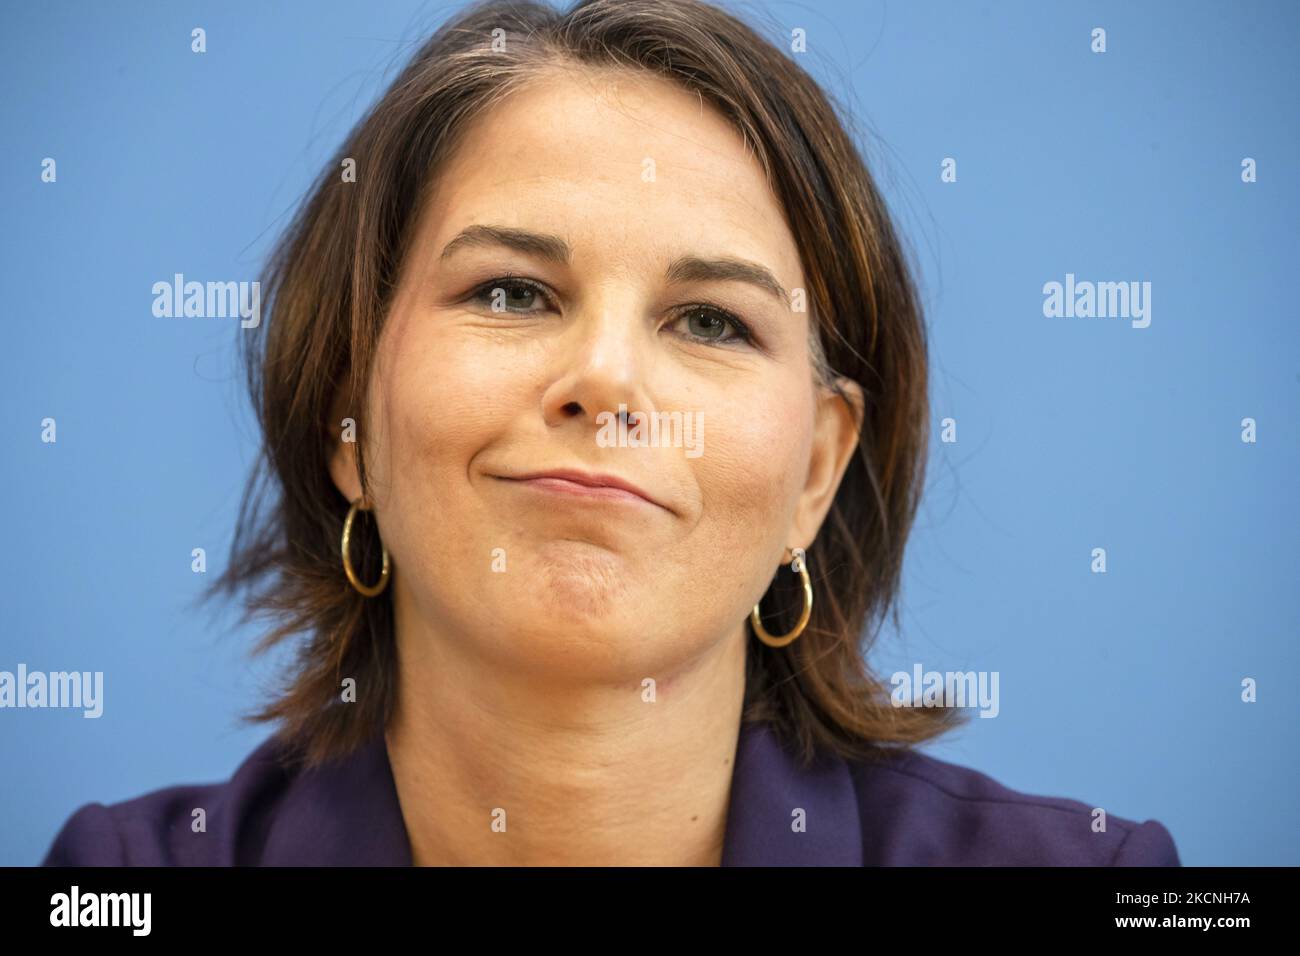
(1122, 690)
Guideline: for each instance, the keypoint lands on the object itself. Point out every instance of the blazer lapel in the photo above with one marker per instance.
(768, 788)
(344, 813)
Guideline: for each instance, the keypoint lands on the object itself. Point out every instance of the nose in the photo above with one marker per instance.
(603, 360)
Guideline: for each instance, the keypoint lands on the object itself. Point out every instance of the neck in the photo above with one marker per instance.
(497, 766)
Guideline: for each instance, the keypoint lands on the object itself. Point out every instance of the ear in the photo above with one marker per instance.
(343, 456)
(835, 438)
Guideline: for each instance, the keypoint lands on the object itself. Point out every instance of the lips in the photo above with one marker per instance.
(588, 484)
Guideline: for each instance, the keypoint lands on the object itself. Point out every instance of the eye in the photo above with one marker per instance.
(515, 294)
(707, 323)
(510, 293)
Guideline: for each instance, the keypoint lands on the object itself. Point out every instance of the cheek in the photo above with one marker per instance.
(749, 477)
(447, 395)
(437, 400)
(754, 462)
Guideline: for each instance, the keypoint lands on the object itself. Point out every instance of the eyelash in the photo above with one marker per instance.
(743, 333)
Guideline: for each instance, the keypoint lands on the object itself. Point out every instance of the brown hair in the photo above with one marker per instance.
(329, 283)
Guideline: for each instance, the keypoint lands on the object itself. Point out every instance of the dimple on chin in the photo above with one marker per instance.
(577, 583)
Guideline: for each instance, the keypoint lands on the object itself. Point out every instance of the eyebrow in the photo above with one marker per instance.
(682, 269)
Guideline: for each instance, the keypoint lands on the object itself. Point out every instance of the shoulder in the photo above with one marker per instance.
(919, 810)
(185, 825)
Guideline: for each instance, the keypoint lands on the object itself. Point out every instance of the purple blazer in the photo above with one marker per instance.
(913, 810)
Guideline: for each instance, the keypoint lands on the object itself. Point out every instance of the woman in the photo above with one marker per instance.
(549, 616)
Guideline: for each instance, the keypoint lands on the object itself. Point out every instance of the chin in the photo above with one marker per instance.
(579, 583)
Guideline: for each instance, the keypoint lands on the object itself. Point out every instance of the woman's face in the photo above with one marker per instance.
(481, 379)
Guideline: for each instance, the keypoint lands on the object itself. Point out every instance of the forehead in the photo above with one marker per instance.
(619, 164)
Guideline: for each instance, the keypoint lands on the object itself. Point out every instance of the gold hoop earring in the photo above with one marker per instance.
(367, 590)
(802, 561)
